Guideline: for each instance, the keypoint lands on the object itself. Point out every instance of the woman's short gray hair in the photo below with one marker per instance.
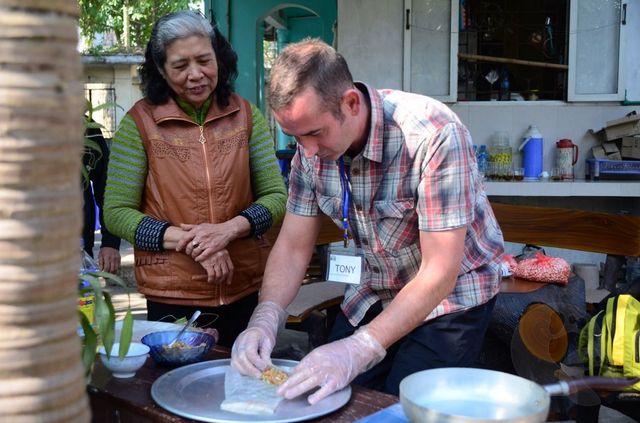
(175, 26)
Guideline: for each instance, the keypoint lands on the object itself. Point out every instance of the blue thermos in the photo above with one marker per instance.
(532, 148)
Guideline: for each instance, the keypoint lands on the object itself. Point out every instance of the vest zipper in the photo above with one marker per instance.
(202, 140)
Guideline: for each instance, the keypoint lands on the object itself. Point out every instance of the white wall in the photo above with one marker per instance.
(633, 51)
(364, 38)
(122, 77)
(373, 47)
(370, 36)
(127, 85)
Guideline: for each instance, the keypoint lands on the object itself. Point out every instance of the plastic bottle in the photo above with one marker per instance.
(501, 155)
(482, 156)
(532, 148)
(86, 296)
(504, 86)
(88, 263)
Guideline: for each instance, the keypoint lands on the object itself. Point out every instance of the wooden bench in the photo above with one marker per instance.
(598, 232)
(607, 233)
(571, 229)
(552, 227)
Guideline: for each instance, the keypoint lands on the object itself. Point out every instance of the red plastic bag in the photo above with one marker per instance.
(509, 262)
(541, 268)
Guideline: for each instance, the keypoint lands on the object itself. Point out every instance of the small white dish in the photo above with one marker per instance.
(127, 367)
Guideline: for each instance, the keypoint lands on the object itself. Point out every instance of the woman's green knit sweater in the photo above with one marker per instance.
(128, 171)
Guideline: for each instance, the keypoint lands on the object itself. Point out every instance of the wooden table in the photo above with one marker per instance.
(129, 400)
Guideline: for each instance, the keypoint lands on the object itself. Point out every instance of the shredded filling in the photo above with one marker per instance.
(274, 376)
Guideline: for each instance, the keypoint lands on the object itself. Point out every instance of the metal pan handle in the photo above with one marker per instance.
(567, 387)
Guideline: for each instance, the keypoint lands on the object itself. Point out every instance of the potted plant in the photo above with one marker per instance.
(104, 320)
(102, 331)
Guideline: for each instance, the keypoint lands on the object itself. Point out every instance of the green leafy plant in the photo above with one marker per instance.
(103, 329)
(124, 17)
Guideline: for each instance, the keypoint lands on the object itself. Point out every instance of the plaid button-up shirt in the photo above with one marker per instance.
(417, 172)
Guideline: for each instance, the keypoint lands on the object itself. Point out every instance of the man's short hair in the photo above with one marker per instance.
(310, 63)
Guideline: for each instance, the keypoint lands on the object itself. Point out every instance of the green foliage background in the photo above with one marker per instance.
(104, 16)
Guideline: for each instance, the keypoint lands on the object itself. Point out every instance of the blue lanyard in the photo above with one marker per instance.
(344, 182)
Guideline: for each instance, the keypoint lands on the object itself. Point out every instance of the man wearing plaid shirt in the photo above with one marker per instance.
(402, 166)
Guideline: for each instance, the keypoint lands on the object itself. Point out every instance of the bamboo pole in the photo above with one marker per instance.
(479, 57)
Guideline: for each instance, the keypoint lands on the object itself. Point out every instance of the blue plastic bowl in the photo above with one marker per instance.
(194, 348)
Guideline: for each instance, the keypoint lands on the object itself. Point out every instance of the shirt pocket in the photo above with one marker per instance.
(331, 205)
(396, 223)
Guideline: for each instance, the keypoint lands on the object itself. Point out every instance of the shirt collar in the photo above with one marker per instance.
(198, 115)
(374, 147)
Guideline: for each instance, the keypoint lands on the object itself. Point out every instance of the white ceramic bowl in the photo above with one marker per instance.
(127, 367)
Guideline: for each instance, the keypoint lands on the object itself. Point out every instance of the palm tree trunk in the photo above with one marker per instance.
(41, 106)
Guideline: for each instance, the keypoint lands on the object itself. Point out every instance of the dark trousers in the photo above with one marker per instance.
(452, 340)
(228, 319)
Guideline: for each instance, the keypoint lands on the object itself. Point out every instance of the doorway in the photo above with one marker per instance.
(283, 24)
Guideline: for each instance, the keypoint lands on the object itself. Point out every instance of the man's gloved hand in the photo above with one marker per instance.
(333, 366)
(251, 352)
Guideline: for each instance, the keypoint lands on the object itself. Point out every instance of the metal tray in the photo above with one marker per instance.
(197, 390)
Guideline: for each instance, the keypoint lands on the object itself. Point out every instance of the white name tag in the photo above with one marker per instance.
(344, 268)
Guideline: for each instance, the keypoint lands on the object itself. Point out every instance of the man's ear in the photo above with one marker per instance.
(351, 100)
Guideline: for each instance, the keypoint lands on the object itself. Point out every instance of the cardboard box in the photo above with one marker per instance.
(614, 156)
(606, 151)
(610, 148)
(598, 152)
(631, 147)
(619, 128)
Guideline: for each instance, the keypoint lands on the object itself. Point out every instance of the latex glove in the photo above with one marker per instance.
(333, 366)
(251, 352)
(109, 259)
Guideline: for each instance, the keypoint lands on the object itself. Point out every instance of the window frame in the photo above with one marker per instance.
(572, 81)
(572, 93)
(452, 96)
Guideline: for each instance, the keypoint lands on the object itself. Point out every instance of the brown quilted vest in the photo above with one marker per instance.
(197, 175)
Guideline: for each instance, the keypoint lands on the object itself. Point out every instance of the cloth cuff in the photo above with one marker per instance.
(150, 234)
(259, 218)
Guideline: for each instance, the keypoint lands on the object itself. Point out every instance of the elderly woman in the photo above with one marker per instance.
(193, 181)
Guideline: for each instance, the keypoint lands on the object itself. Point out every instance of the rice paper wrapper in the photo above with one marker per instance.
(248, 395)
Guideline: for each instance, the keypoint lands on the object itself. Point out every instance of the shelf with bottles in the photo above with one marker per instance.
(503, 82)
(526, 43)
